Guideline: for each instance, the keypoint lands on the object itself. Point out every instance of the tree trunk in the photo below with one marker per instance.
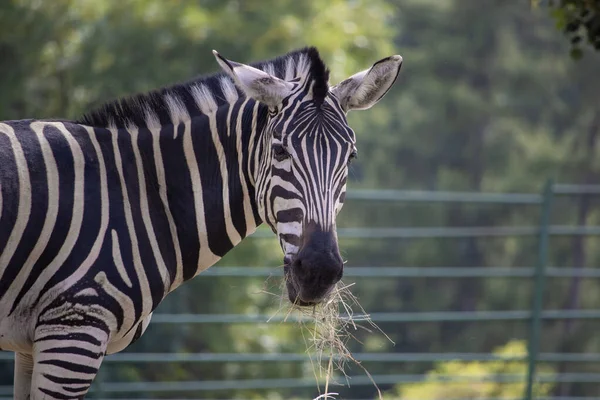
(578, 251)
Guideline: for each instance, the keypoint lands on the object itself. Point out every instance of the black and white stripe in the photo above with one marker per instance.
(100, 218)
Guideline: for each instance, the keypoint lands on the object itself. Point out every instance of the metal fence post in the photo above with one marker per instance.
(538, 289)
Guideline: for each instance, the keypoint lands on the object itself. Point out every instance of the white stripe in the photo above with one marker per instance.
(104, 212)
(228, 121)
(160, 262)
(154, 127)
(87, 292)
(137, 260)
(124, 300)
(297, 104)
(290, 249)
(248, 213)
(287, 185)
(289, 69)
(269, 69)
(326, 181)
(318, 186)
(303, 66)
(206, 257)
(264, 175)
(231, 230)
(318, 150)
(252, 149)
(177, 111)
(229, 90)
(339, 204)
(51, 210)
(118, 259)
(317, 201)
(24, 208)
(204, 99)
(338, 113)
(77, 214)
(291, 228)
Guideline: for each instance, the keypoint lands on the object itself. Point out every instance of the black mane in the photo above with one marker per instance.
(319, 74)
(133, 110)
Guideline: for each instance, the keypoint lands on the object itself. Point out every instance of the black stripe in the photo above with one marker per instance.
(36, 170)
(138, 333)
(10, 203)
(290, 215)
(180, 197)
(80, 319)
(291, 239)
(90, 223)
(77, 389)
(82, 337)
(56, 395)
(261, 120)
(130, 176)
(74, 350)
(212, 188)
(68, 381)
(236, 195)
(118, 223)
(278, 191)
(74, 367)
(158, 215)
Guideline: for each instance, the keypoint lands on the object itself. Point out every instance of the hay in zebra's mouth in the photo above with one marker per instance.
(327, 329)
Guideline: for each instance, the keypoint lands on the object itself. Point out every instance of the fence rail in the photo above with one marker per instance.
(418, 272)
(362, 357)
(360, 380)
(538, 273)
(451, 232)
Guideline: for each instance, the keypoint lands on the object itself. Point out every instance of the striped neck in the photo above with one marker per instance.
(198, 175)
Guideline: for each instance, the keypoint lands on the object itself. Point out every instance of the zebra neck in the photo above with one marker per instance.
(200, 177)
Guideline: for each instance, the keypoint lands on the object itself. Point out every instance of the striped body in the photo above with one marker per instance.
(101, 218)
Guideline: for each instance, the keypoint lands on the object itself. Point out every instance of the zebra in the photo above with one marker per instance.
(103, 216)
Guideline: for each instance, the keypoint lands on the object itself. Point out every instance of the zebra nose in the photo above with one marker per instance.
(317, 267)
(315, 275)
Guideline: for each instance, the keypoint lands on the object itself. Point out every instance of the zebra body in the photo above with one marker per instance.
(101, 218)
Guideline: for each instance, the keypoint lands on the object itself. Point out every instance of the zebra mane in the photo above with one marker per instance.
(204, 94)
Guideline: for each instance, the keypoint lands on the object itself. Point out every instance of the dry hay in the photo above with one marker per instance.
(327, 329)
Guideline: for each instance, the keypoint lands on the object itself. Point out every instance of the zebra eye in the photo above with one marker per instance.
(352, 156)
(279, 152)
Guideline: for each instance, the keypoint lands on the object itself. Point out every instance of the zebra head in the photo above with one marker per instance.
(302, 163)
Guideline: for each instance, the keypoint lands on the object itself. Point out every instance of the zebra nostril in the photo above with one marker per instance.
(287, 260)
(298, 264)
(303, 268)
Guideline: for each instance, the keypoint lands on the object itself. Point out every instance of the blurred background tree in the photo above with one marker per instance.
(435, 388)
(488, 100)
(579, 20)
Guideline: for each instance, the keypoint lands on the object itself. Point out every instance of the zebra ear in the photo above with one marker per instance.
(364, 89)
(257, 84)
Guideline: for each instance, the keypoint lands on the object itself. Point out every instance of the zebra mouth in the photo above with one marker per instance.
(298, 294)
(293, 288)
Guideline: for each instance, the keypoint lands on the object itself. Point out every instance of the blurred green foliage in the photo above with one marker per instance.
(487, 100)
(434, 388)
(578, 20)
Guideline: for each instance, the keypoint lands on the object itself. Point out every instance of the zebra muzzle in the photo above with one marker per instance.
(314, 271)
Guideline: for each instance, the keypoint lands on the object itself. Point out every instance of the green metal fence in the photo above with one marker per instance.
(535, 315)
